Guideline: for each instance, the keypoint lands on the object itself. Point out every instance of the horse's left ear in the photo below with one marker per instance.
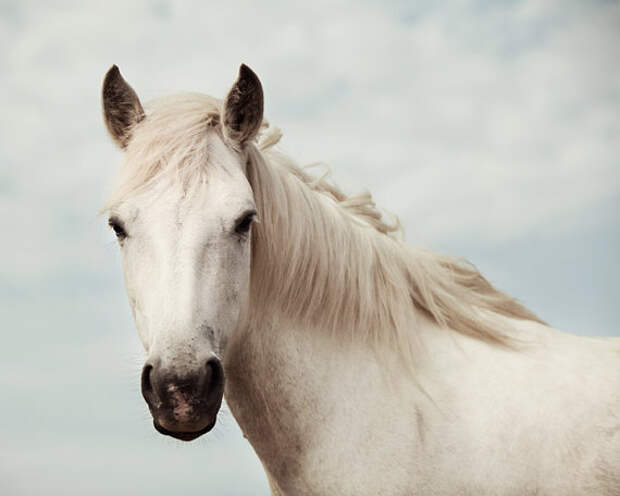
(122, 109)
(243, 108)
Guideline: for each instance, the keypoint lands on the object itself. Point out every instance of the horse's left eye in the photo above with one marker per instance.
(243, 224)
(118, 228)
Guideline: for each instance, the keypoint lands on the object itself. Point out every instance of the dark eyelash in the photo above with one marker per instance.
(244, 224)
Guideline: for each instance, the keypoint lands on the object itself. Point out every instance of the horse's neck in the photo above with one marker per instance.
(309, 403)
(306, 401)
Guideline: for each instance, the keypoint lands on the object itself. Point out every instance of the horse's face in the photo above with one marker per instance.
(186, 261)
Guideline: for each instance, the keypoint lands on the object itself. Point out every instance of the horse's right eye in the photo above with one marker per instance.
(118, 228)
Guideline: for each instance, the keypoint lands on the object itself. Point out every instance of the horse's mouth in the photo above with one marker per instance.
(184, 436)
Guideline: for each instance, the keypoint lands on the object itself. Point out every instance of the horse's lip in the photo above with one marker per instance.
(183, 436)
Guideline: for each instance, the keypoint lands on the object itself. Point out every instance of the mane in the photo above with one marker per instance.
(320, 257)
(335, 263)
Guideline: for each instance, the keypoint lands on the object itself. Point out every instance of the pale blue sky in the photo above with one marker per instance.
(490, 128)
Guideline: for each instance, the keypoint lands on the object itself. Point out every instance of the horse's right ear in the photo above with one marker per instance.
(122, 109)
(243, 108)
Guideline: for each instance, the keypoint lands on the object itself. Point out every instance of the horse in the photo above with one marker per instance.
(354, 363)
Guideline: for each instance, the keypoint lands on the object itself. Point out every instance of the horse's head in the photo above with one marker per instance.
(183, 215)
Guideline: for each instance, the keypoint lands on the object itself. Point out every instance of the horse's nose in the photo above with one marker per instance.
(183, 405)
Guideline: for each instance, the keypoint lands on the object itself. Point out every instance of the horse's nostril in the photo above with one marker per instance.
(214, 379)
(214, 370)
(146, 379)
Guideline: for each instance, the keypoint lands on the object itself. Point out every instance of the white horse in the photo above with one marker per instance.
(354, 364)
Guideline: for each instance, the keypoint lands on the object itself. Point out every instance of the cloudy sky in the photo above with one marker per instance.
(491, 128)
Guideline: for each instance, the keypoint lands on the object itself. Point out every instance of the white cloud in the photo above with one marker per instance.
(487, 122)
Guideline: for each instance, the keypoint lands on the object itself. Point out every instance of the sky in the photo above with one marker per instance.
(490, 128)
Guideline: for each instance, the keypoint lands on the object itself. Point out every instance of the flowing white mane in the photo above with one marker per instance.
(321, 257)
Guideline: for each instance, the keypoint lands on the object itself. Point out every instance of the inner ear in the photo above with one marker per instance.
(122, 109)
(243, 108)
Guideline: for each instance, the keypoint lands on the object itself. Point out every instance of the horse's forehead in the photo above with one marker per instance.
(204, 199)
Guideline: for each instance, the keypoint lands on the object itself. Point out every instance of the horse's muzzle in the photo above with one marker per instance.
(184, 406)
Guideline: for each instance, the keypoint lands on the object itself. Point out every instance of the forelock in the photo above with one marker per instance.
(170, 144)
